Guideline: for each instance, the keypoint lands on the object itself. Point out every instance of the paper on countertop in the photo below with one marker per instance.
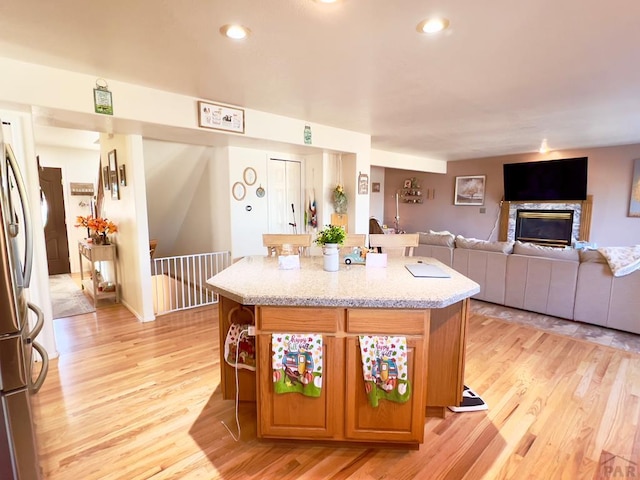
(376, 260)
(289, 262)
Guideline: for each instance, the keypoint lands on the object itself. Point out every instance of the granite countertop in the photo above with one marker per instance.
(257, 280)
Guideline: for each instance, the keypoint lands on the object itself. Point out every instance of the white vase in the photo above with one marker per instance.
(331, 257)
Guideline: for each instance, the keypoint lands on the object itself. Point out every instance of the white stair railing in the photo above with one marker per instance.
(180, 282)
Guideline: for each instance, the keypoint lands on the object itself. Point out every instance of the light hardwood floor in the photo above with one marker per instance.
(127, 400)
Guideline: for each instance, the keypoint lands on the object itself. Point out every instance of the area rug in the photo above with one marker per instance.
(67, 298)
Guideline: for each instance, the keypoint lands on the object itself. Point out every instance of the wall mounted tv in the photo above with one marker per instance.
(564, 179)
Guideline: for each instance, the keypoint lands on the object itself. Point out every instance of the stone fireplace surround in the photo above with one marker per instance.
(581, 217)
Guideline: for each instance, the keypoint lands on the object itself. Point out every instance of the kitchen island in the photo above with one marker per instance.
(430, 313)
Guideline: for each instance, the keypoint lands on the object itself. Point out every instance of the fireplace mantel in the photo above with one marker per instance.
(586, 207)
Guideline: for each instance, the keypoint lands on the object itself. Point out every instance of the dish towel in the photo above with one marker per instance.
(297, 363)
(241, 347)
(384, 367)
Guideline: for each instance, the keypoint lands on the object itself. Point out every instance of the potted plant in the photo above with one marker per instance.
(331, 234)
(329, 238)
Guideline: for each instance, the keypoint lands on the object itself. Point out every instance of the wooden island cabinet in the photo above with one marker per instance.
(342, 413)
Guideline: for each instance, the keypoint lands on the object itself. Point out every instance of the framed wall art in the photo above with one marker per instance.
(123, 175)
(106, 178)
(113, 175)
(634, 203)
(363, 184)
(220, 117)
(469, 190)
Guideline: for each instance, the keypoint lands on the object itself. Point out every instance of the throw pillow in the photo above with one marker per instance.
(436, 239)
(477, 244)
(532, 249)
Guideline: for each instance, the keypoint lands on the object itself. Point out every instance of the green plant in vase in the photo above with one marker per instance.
(331, 234)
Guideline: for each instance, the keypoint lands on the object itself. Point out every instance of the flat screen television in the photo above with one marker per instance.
(564, 179)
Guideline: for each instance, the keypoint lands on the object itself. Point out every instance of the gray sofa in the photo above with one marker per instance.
(565, 283)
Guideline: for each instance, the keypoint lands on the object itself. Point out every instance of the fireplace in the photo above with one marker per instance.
(544, 227)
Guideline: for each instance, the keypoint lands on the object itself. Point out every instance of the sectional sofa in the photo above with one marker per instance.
(566, 283)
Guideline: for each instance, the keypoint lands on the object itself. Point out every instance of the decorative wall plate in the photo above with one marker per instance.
(238, 191)
(260, 192)
(249, 176)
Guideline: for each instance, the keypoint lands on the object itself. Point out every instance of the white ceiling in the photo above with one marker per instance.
(503, 77)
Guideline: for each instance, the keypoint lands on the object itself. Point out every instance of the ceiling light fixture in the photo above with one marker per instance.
(544, 147)
(236, 32)
(433, 25)
(326, 1)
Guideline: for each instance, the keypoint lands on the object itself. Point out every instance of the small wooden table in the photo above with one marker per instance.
(98, 253)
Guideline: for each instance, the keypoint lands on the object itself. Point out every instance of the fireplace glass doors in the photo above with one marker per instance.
(545, 227)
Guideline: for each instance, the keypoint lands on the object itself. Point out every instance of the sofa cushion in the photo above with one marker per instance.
(442, 240)
(591, 256)
(476, 244)
(531, 249)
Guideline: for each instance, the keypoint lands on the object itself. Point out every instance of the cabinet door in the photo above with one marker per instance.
(293, 415)
(390, 421)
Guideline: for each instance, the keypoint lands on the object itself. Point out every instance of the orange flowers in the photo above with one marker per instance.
(99, 225)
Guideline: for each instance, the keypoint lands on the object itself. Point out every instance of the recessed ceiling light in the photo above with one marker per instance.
(237, 32)
(433, 25)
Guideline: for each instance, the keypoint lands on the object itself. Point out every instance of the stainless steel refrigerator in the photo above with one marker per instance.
(20, 323)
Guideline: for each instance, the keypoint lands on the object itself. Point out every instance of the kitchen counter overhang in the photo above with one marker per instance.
(258, 281)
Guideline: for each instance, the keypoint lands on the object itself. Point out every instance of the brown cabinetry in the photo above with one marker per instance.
(342, 412)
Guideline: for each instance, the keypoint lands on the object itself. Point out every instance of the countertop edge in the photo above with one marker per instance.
(275, 301)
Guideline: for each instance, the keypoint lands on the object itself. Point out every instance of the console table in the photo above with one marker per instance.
(98, 253)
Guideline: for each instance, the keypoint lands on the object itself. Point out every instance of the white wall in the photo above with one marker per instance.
(376, 199)
(129, 213)
(381, 158)
(77, 165)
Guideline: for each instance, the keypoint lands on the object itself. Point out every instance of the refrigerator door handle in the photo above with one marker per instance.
(22, 191)
(35, 386)
(39, 323)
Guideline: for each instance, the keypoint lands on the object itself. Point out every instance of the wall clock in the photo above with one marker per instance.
(249, 176)
(238, 191)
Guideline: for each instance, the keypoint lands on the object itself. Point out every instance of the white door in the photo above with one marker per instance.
(285, 196)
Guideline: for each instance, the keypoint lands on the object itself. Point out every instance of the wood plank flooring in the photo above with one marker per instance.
(127, 400)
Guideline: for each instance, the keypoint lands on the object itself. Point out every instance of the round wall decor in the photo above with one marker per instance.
(238, 191)
(260, 192)
(249, 176)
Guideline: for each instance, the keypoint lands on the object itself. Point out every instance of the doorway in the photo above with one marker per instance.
(285, 196)
(55, 226)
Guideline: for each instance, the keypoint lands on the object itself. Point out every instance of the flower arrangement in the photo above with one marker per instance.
(339, 199)
(97, 227)
(331, 234)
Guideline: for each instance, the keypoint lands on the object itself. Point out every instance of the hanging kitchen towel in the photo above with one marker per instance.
(297, 363)
(384, 367)
(240, 346)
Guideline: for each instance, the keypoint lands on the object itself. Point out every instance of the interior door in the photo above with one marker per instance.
(285, 197)
(55, 226)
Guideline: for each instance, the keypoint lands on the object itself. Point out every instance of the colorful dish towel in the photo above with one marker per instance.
(238, 346)
(384, 367)
(297, 363)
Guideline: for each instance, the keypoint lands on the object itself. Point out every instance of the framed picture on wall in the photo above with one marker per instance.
(363, 184)
(469, 190)
(375, 187)
(634, 204)
(106, 178)
(113, 175)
